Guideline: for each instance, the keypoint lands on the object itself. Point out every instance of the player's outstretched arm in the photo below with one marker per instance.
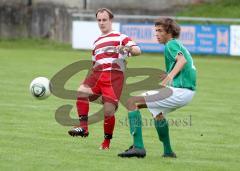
(135, 51)
(130, 50)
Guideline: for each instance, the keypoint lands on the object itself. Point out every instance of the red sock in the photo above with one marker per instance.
(83, 108)
(109, 123)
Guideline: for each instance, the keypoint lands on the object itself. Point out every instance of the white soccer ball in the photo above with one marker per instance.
(40, 88)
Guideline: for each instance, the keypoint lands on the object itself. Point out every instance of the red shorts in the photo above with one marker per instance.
(107, 84)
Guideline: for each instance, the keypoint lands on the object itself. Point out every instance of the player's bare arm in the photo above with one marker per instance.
(135, 51)
(180, 62)
(131, 50)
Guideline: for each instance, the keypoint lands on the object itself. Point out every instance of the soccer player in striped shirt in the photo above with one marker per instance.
(107, 76)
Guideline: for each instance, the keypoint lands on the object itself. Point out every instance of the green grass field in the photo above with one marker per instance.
(228, 8)
(31, 139)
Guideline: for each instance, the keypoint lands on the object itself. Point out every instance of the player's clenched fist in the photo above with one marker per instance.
(124, 49)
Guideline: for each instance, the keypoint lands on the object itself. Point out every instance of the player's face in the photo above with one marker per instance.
(161, 35)
(104, 22)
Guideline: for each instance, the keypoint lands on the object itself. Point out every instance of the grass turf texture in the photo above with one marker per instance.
(228, 8)
(213, 9)
(31, 139)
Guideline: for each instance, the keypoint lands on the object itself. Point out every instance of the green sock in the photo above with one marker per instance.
(163, 134)
(135, 122)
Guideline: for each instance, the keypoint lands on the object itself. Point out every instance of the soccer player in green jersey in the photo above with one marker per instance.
(178, 89)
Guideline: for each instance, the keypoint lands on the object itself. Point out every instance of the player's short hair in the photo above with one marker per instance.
(111, 16)
(169, 25)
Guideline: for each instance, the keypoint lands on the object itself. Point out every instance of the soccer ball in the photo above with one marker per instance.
(40, 88)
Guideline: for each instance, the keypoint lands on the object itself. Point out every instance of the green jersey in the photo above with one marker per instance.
(186, 78)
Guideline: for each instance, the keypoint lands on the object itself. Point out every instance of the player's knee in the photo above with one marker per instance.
(131, 104)
(109, 109)
(109, 112)
(81, 94)
(160, 116)
(83, 91)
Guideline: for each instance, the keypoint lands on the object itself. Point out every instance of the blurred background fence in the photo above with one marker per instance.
(69, 21)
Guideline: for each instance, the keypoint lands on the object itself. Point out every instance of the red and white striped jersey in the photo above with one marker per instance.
(104, 54)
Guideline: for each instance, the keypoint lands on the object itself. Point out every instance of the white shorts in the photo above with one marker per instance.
(167, 99)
